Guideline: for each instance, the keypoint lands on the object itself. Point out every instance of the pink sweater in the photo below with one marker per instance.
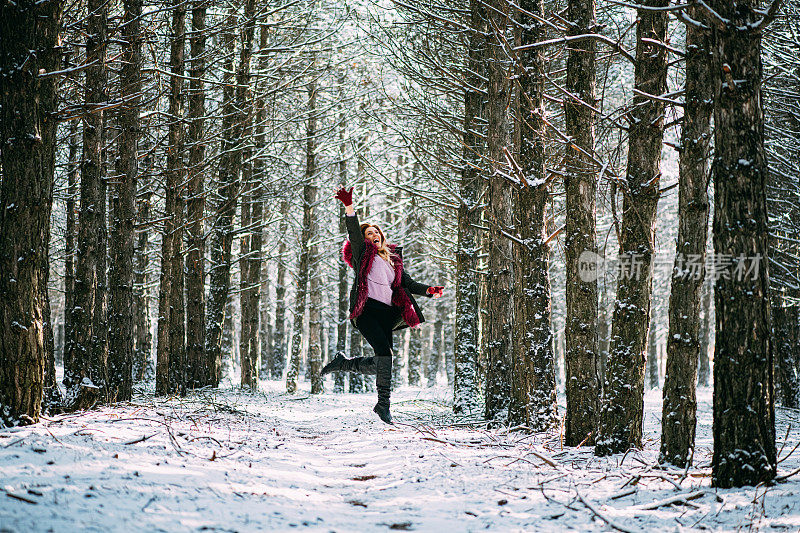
(379, 281)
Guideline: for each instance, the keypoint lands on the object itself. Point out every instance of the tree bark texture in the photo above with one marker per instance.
(583, 386)
(249, 343)
(311, 227)
(222, 236)
(651, 365)
(27, 132)
(465, 372)
(744, 410)
(416, 346)
(278, 357)
(500, 310)
(679, 408)
(300, 299)
(171, 349)
(197, 372)
(70, 235)
(603, 334)
(622, 414)
(142, 365)
(533, 386)
(123, 209)
(703, 363)
(86, 383)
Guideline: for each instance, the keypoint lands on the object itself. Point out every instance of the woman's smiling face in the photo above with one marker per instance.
(373, 235)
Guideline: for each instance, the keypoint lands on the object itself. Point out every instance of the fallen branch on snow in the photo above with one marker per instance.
(673, 500)
(602, 517)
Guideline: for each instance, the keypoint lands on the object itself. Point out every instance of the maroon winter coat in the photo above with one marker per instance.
(359, 253)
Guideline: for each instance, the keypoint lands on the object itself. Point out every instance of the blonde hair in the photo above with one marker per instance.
(383, 249)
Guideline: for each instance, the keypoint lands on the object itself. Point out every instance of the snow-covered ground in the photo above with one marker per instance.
(231, 461)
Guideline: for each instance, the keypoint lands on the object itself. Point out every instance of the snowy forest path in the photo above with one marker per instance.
(232, 461)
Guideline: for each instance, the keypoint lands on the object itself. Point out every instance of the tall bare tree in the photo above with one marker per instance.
(123, 210)
(679, 412)
(465, 375)
(500, 311)
(622, 414)
(580, 182)
(744, 410)
(86, 381)
(171, 349)
(533, 385)
(197, 370)
(27, 132)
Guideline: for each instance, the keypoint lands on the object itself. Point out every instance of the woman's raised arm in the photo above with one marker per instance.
(351, 222)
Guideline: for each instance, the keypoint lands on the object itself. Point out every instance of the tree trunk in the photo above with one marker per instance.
(197, 372)
(300, 299)
(311, 227)
(703, 364)
(86, 384)
(786, 354)
(228, 364)
(52, 400)
(171, 350)
(434, 359)
(28, 136)
(651, 365)
(249, 343)
(222, 236)
(356, 384)
(622, 414)
(679, 411)
(343, 279)
(603, 341)
(265, 324)
(533, 386)
(123, 203)
(415, 348)
(70, 250)
(583, 384)
(744, 410)
(465, 372)
(142, 366)
(500, 310)
(278, 357)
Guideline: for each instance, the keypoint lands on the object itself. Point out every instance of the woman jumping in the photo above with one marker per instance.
(381, 300)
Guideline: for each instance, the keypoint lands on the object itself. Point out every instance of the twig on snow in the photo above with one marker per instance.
(677, 499)
(140, 439)
(20, 498)
(781, 479)
(602, 517)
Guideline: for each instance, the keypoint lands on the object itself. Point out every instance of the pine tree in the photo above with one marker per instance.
(679, 409)
(197, 374)
(466, 349)
(580, 182)
(533, 385)
(27, 132)
(744, 411)
(622, 414)
(86, 379)
(500, 268)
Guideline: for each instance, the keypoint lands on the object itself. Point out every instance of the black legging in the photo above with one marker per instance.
(375, 323)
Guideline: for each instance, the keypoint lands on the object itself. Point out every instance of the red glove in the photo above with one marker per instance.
(345, 196)
(435, 290)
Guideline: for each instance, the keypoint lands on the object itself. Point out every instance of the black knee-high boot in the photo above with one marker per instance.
(359, 365)
(383, 382)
